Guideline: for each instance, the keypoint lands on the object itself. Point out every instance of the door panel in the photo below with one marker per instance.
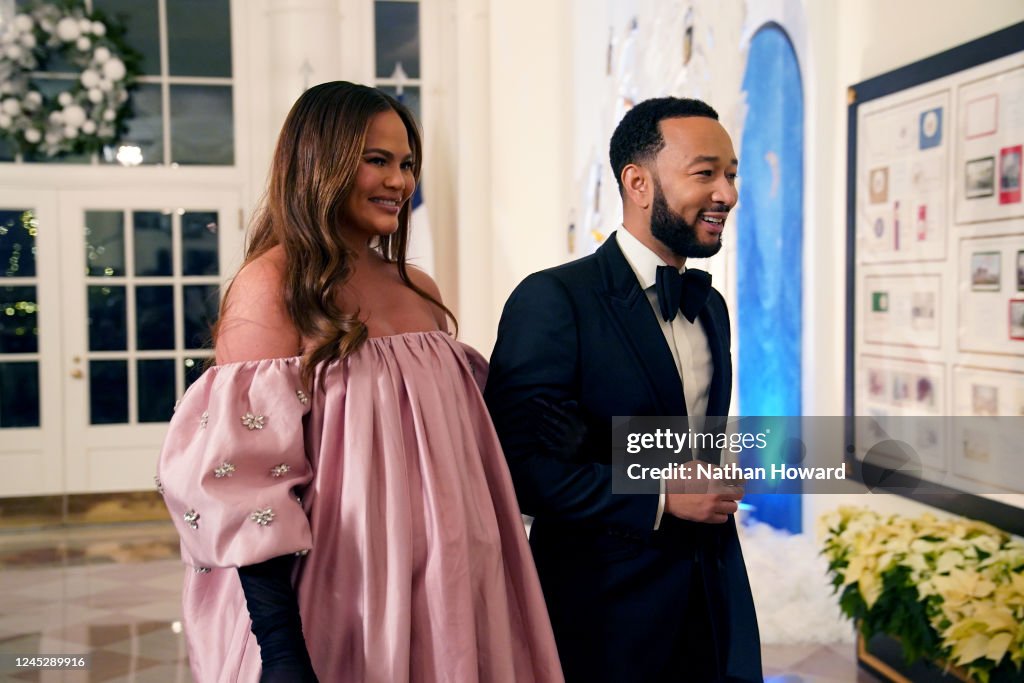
(142, 285)
(30, 340)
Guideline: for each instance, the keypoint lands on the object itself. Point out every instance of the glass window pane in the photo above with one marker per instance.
(19, 327)
(19, 394)
(145, 127)
(154, 317)
(57, 63)
(104, 243)
(194, 368)
(201, 303)
(141, 22)
(410, 97)
(7, 151)
(398, 37)
(156, 390)
(199, 243)
(202, 126)
(17, 243)
(108, 392)
(107, 319)
(199, 37)
(50, 88)
(152, 243)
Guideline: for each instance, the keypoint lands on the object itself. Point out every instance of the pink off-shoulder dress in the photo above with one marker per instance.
(391, 488)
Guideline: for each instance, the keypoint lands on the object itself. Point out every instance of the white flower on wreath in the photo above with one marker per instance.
(90, 113)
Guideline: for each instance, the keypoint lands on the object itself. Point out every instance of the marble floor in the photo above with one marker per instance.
(112, 591)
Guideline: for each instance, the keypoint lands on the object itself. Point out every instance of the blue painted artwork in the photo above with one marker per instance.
(770, 253)
(930, 134)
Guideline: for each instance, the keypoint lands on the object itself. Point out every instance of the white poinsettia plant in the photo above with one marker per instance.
(92, 111)
(952, 590)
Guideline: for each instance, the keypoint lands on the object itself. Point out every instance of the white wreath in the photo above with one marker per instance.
(89, 115)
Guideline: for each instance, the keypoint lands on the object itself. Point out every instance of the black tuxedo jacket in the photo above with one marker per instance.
(583, 336)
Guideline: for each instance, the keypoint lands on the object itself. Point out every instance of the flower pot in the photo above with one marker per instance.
(882, 655)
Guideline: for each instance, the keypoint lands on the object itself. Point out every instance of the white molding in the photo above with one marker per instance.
(61, 176)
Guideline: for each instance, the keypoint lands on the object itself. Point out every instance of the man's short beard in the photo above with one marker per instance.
(672, 230)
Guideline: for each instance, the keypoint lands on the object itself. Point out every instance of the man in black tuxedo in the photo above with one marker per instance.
(639, 587)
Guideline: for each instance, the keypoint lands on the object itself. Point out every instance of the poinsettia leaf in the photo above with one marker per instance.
(998, 646)
(969, 649)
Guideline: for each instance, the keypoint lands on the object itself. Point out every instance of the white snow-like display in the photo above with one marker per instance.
(792, 593)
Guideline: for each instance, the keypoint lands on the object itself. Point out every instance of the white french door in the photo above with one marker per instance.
(141, 287)
(110, 325)
(30, 342)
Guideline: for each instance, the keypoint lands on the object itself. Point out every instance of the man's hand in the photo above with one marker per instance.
(703, 499)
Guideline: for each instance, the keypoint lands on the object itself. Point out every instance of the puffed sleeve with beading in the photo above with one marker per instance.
(232, 461)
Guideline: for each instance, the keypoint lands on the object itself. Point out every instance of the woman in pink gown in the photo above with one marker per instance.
(341, 496)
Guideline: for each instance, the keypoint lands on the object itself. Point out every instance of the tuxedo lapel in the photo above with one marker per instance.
(715, 320)
(634, 320)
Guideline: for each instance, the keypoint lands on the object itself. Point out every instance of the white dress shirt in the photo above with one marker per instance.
(687, 341)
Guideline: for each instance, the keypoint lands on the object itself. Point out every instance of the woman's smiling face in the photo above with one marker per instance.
(384, 180)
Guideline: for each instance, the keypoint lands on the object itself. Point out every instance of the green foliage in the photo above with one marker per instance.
(898, 611)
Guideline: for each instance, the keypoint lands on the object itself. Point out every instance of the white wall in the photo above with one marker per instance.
(529, 136)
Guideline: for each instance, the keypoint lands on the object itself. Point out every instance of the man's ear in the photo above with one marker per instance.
(636, 185)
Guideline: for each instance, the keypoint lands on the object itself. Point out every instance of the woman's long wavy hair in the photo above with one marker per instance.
(314, 167)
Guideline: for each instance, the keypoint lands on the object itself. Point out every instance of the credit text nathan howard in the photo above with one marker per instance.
(732, 472)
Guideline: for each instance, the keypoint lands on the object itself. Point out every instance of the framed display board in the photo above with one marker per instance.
(935, 271)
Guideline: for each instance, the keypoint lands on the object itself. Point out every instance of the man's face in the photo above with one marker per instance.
(694, 178)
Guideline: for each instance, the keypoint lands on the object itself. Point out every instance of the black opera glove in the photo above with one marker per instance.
(274, 610)
(561, 428)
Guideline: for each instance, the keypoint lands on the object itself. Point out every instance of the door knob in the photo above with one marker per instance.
(77, 373)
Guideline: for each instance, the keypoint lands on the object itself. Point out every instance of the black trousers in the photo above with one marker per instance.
(698, 656)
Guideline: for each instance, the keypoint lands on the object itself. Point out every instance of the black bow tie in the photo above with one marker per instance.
(687, 292)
